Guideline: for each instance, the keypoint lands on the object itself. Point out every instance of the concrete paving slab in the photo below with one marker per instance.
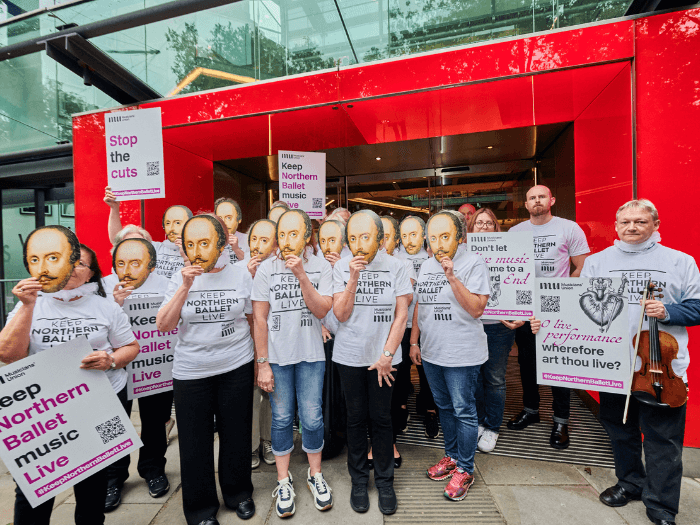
(570, 504)
(131, 514)
(501, 470)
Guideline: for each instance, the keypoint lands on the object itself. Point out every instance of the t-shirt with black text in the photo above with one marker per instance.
(294, 333)
(449, 335)
(100, 319)
(213, 334)
(243, 245)
(555, 242)
(168, 258)
(416, 261)
(360, 340)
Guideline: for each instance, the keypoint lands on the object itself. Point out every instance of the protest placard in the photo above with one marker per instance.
(584, 339)
(152, 370)
(511, 263)
(135, 154)
(302, 177)
(59, 424)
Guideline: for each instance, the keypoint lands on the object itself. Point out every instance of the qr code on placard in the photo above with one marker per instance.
(550, 303)
(523, 297)
(111, 429)
(317, 203)
(152, 168)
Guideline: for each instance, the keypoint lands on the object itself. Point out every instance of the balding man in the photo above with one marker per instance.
(559, 243)
(467, 210)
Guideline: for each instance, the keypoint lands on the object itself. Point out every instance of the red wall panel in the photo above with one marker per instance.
(668, 145)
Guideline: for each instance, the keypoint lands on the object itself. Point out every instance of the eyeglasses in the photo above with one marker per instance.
(83, 265)
(481, 224)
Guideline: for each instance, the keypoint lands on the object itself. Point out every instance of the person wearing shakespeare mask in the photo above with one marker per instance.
(453, 288)
(638, 256)
(230, 212)
(134, 264)
(292, 292)
(209, 303)
(65, 287)
(372, 292)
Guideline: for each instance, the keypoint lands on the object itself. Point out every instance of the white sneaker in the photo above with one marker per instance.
(488, 441)
(285, 497)
(480, 433)
(323, 499)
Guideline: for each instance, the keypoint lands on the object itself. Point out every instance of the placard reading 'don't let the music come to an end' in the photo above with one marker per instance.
(584, 339)
(135, 154)
(59, 424)
(302, 181)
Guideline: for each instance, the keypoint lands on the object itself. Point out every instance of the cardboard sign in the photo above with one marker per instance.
(152, 370)
(511, 263)
(135, 154)
(584, 339)
(303, 181)
(59, 424)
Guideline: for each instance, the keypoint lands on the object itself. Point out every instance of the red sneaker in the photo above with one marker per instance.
(443, 470)
(457, 488)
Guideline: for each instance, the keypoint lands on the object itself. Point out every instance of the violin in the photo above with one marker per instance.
(655, 383)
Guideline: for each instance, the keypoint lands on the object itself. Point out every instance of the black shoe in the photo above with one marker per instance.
(616, 496)
(398, 461)
(432, 429)
(523, 420)
(209, 521)
(158, 487)
(387, 500)
(113, 499)
(658, 521)
(246, 509)
(359, 500)
(370, 463)
(403, 418)
(559, 438)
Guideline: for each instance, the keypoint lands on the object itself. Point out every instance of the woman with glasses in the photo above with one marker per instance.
(500, 335)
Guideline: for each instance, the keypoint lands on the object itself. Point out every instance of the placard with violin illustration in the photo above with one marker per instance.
(584, 339)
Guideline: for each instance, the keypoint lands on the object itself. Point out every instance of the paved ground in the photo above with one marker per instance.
(511, 491)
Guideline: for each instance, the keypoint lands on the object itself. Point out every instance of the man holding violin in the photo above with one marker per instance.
(639, 257)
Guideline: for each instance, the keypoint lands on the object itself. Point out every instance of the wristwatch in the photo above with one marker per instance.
(388, 354)
(261, 360)
(113, 366)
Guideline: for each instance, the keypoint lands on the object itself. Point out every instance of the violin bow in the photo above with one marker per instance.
(636, 352)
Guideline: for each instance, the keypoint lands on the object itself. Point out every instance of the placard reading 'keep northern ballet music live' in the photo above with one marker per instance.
(584, 339)
(59, 424)
(511, 262)
(152, 370)
(135, 154)
(303, 181)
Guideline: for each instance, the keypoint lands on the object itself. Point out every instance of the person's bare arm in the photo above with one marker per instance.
(473, 303)
(101, 360)
(398, 327)
(318, 304)
(265, 377)
(114, 223)
(14, 338)
(577, 261)
(414, 352)
(344, 302)
(169, 315)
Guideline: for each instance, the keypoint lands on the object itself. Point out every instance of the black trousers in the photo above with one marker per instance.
(561, 403)
(368, 404)
(154, 412)
(663, 428)
(229, 397)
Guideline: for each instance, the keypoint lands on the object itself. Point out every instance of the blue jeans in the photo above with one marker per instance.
(491, 386)
(303, 383)
(453, 389)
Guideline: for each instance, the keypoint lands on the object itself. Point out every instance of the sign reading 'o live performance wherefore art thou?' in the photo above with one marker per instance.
(584, 339)
(511, 263)
(152, 370)
(135, 154)
(59, 424)
(303, 181)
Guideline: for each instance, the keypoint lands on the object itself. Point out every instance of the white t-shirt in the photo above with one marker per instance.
(99, 318)
(674, 271)
(555, 242)
(155, 285)
(360, 340)
(416, 261)
(214, 335)
(449, 335)
(242, 244)
(294, 333)
(168, 258)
